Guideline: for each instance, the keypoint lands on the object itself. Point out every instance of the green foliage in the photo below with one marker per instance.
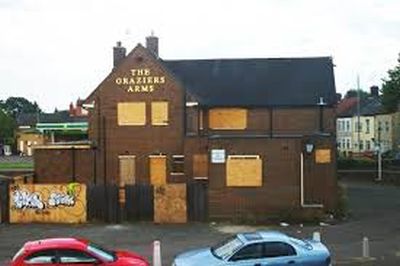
(7, 127)
(344, 163)
(19, 105)
(354, 93)
(391, 89)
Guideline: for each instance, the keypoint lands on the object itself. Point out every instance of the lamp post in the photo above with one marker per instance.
(379, 155)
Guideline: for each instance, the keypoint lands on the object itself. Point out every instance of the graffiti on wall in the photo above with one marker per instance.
(48, 203)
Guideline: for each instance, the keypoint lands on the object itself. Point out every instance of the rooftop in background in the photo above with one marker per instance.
(368, 106)
(56, 117)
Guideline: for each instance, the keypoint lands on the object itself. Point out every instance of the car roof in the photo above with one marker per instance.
(263, 236)
(71, 243)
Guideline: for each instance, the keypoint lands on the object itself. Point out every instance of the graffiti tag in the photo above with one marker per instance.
(25, 199)
(57, 199)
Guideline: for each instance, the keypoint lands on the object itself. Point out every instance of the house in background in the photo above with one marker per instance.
(43, 128)
(363, 125)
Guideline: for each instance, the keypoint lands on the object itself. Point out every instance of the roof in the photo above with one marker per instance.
(346, 104)
(257, 82)
(56, 243)
(262, 235)
(56, 117)
(368, 107)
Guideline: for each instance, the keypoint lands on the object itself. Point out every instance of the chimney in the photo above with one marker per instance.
(119, 54)
(338, 97)
(152, 44)
(374, 91)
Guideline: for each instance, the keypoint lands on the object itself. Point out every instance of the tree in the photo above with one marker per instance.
(354, 93)
(19, 105)
(391, 89)
(7, 128)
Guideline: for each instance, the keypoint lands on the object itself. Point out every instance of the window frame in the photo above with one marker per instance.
(175, 162)
(59, 256)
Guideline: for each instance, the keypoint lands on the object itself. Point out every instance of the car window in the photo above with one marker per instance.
(68, 256)
(278, 249)
(41, 257)
(227, 248)
(252, 251)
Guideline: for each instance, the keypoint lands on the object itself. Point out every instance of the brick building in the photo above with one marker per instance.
(261, 132)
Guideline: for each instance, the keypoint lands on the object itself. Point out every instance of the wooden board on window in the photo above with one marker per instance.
(323, 156)
(170, 203)
(244, 171)
(228, 118)
(159, 113)
(48, 203)
(158, 170)
(131, 114)
(200, 165)
(126, 170)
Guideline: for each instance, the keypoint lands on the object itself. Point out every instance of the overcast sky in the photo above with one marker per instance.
(54, 51)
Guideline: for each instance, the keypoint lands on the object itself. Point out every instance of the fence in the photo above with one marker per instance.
(104, 205)
(4, 201)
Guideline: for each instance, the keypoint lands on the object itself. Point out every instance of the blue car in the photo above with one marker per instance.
(263, 248)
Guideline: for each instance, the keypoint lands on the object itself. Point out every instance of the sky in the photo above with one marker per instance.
(56, 51)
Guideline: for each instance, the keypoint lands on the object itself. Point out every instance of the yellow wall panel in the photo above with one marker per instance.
(323, 156)
(228, 118)
(158, 170)
(159, 113)
(200, 165)
(170, 203)
(62, 203)
(132, 114)
(244, 172)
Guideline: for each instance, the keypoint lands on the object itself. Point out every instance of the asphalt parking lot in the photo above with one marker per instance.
(374, 214)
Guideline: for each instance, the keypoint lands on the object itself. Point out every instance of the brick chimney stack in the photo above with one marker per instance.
(119, 53)
(152, 44)
(374, 91)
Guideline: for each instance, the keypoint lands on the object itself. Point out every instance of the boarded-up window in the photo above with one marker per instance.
(228, 118)
(244, 171)
(126, 170)
(159, 113)
(158, 170)
(132, 114)
(200, 166)
(323, 156)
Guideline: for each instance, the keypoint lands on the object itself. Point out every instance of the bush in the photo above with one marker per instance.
(355, 163)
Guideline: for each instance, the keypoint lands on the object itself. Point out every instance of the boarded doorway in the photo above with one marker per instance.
(127, 170)
(158, 170)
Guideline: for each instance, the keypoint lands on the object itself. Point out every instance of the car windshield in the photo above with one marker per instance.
(227, 248)
(106, 255)
(19, 253)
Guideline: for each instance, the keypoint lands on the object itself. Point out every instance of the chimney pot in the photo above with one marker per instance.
(374, 91)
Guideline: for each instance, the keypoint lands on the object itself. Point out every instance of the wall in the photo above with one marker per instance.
(28, 137)
(56, 165)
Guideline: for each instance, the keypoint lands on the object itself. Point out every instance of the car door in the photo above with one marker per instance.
(73, 257)
(249, 255)
(46, 257)
(279, 254)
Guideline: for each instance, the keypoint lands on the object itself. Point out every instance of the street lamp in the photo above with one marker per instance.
(379, 150)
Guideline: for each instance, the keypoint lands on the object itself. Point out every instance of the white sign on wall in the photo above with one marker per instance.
(217, 156)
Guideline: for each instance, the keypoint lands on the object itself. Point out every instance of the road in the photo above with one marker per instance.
(374, 214)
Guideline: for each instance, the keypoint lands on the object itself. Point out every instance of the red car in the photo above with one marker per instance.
(72, 251)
